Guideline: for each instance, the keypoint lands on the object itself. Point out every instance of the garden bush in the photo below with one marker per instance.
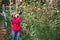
(40, 22)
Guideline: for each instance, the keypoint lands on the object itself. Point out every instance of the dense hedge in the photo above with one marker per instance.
(40, 22)
(1, 18)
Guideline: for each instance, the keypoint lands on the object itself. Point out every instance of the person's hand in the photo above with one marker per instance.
(16, 15)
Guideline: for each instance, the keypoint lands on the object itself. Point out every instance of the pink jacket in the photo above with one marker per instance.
(16, 24)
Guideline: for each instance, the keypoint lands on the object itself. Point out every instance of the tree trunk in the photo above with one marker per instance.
(2, 31)
(10, 5)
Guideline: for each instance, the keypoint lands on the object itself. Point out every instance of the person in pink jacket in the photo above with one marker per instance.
(16, 28)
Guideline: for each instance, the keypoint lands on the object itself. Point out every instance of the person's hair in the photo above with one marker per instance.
(20, 13)
(13, 14)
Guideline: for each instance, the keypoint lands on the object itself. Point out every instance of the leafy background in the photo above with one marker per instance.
(41, 21)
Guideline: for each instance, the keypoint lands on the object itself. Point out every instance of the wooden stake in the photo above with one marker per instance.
(10, 6)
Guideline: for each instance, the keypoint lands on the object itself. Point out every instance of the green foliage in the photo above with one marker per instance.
(40, 22)
(58, 4)
(8, 28)
(1, 18)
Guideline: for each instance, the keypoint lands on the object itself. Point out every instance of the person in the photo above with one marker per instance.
(16, 28)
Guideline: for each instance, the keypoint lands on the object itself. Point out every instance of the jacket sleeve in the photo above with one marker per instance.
(17, 20)
(13, 21)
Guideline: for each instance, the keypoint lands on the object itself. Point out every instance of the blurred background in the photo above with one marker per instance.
(41, 18)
